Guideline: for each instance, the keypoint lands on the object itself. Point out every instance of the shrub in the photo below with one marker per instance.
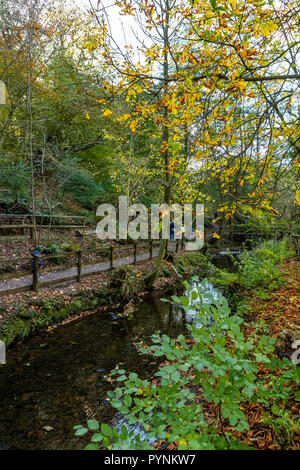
(126, 281)
(52, 249)
(83, 188)
(15, 178)
(70, 247)
(258, 267)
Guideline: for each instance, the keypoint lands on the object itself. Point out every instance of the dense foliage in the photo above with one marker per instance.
(203, 108)
(216, 364)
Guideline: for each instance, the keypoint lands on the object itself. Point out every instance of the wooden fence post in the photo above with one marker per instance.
(35, 272)
(111, 258)
(134, 253)
(33, 229)
(151, 248)
(177, 246)
(79, 260)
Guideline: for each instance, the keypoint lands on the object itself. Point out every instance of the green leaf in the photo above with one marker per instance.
(116, 403)
(195, 445)
(81, 431)
(97, 437)
(194, 295)
(128, 401)
(175, 376)
(184, 301)
(213, 4)
(106, 430)
(105, 442)
(91, 447)
(93, 425)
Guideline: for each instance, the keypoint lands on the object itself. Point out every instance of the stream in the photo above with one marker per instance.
(53, 381)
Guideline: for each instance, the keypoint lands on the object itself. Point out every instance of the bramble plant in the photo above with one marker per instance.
(219, 361)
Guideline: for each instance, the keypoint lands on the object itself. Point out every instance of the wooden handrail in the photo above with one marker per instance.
(69, 254)
(7, 227)
(9, 260)
(35, 266)
(53, 216)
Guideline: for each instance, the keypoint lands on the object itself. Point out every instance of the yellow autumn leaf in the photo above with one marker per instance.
(271, 209)
(241, 85)
(216, 235)
(182, 442)
(87, 116)
(107, 112)
(268, 28)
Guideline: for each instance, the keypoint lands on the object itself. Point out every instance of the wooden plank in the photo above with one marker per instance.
(17, 216)
(22, 226)
(6, 227)
(53, 216)
(58, 226)
(10, 260)
(63, 254)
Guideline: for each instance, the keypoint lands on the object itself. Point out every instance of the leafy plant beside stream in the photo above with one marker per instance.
(259, 266)
(215, 367)
(255, 268)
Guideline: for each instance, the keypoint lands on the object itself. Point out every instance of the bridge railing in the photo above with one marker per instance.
(30, 221)
(105, 254)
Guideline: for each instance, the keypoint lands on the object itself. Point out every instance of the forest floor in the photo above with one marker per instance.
(276, 314)
(280, 309)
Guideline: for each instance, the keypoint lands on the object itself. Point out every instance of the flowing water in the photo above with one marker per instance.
(55, 380)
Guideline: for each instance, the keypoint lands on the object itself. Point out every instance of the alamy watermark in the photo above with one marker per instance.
(296, 355)
(160, 221)
(2, 353)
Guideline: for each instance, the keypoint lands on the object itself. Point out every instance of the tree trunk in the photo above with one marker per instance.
(151, 278)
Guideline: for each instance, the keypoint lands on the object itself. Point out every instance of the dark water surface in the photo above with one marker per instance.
(55, 380)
